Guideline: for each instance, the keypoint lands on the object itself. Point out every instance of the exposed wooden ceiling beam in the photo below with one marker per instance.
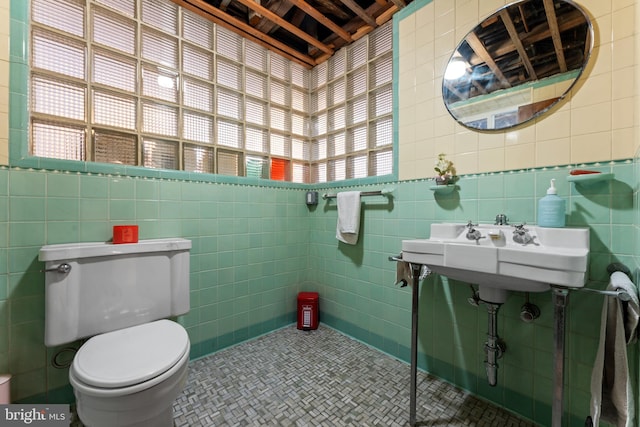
(515, 39)
(481, 51)
(399, 3)
(555, 34)
(286, 25)
(322, 19)
(360, 12)
(221, 18)
(278, 7)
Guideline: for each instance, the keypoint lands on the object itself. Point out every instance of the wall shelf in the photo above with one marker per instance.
(442, 189)
(590, 178)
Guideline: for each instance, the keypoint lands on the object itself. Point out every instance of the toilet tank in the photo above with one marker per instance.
(111, 287)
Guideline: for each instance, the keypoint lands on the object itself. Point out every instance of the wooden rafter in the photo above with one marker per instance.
(481, 51)
(286, 25)
(399, 3)
(515, 39)
(221, 18)
(351, 4)
(322, 19)
(555, 33)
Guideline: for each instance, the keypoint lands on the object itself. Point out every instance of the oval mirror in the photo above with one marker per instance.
(517, 63)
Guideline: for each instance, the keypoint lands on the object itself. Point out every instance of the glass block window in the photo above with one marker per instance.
(148, 83)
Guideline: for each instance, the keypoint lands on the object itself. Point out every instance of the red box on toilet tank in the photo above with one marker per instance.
(125, 234)
(308, 310)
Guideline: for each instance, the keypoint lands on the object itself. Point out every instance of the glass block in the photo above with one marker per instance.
(279, 170)
(280, 145)
(255, 56)
(300, 149)
(381, 40)
(319, 149)
(197, 127)
(300, 100)
(114, 70)
(197, 62)
(280, 93)
(197, 94)
(65, 15)
(381, 162)
(336, 170)
(162, 14)
(198, 159)
(280, 119)
(337, 144)
(159, 84)
(300, 76)
(381, 101)
(257, 167)
(159, 48)
(357, 166)
(256, 111)
(228, 44)
(381, 71)
(336, 65)
(58, 98)
(381, 132)
(336, 119)
(58, 141)
(57, 53)
(126, 7)
(256, 139)
(197, 29)
(357, 54)
(357, 138)
(229, 74)
(318, 172)
(229, 104)
(300, 173)
(357, 110)
(115, 110)
(229, 162)
(159, 154)
(280, 67)
(229, 134)
(357, 82)
(256, 84)
(159, 119)
(114, 31)
(299, 124)
(109, 147)
(336, 92)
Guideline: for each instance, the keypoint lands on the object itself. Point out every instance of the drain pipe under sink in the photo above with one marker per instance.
(494, 348)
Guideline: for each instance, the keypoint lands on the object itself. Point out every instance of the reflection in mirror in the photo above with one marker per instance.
(517, 63)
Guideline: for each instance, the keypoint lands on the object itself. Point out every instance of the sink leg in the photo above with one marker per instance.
(560, 302)
(415, 275)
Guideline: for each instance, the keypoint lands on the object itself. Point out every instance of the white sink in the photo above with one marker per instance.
(497, 263)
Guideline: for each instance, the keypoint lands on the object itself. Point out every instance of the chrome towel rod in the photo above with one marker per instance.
(364, 193)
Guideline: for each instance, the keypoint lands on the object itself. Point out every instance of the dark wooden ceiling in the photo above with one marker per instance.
(305, 31)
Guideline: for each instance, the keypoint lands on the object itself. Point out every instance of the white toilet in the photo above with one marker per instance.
(135, 363)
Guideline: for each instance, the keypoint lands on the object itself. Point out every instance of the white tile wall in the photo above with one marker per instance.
(598, 121)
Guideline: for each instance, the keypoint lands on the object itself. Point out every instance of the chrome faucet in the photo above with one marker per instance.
(521, 235)
(501, 219)
(472, 232)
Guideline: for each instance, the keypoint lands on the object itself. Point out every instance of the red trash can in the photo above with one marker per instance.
(307, 310)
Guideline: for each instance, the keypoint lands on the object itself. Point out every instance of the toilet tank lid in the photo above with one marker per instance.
(67, 251)
(132, 355)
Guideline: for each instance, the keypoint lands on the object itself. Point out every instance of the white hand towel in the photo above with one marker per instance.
(611, 392)
(348, 225)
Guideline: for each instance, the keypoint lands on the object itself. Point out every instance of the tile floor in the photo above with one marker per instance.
(320, 378)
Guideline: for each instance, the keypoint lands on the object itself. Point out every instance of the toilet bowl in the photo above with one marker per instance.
(130, 377)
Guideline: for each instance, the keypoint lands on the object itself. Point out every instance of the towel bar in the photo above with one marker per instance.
(621, 295)
(364, 193)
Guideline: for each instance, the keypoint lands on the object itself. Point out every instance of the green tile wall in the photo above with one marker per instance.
(249, 257)
(358, 296)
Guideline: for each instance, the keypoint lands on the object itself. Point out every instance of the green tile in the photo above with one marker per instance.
(63, 185)
(122, 210)
(95, 231)
(147, 189)
(27, 183)
(26, 234)
(122, 188)
(61, 209)
(27, 209)
(94, 187)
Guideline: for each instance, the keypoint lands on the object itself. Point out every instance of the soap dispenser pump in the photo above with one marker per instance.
(551, 208)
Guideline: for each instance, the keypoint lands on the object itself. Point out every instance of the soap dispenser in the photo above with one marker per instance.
(551, 208)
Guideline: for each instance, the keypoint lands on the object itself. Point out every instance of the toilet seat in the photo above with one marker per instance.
(149, 350)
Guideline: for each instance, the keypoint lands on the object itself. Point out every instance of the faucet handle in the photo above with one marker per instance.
(520, 227)
(470, 224)
(501, 219)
